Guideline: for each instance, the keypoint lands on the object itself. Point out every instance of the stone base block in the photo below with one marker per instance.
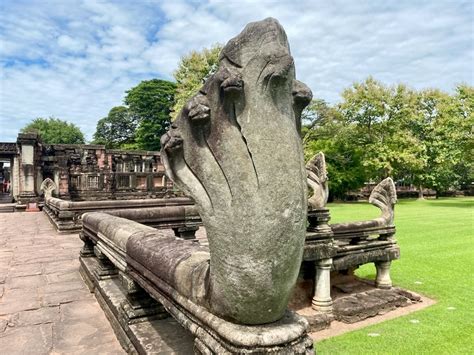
(87, 267)
(140, 330)
(357, 307)
(354, 300)
(215, 335)
(63, 226)
(317, 320)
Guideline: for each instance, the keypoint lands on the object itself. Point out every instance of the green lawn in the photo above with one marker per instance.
(436, 239)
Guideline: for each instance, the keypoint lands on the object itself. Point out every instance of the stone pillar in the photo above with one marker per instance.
(105, 268)
(27, 170)
(56, 181)
(383, 274)
(39, 178)
(88, 247)
(318, 220)
(138, 303)
(15, 178)
(322, 300)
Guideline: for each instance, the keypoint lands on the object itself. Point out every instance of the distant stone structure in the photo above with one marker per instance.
(82, 172)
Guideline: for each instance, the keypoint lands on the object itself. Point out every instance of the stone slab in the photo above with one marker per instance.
(24, 339)
(58, 298)
(25, 270)
(359, 306)
(45, 307)
(26, 282)
(64, 266)
(86, 336)
(162, 336)
(34, 317)
(18, 300)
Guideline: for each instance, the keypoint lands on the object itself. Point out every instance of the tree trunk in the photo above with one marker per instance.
(420, 193)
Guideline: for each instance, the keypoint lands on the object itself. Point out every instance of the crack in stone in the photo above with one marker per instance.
(220, 167)
(246, 145)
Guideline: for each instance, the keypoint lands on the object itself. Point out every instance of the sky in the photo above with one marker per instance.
(74, 59)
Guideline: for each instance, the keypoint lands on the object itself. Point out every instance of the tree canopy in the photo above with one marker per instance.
(55, 131)
(418, 137)
(422, 137)
(117, 130)
(193, 70)
(150, 104)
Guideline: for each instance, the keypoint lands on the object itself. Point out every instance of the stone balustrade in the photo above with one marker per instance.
(343, 247)
(178, 213)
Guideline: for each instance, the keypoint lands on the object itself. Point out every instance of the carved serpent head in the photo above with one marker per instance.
(235, 148)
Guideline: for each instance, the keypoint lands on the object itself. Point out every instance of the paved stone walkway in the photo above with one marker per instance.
(45, 307)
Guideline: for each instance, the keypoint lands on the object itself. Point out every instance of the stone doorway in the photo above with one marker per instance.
(8, 152)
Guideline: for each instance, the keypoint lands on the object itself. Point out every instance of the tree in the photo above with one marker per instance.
(117, 130)
(193, 70)
(381, 117)
(416, 137)
(150, 104)
(464, 103)
(55, 131)
(444, 124)
(325, 129)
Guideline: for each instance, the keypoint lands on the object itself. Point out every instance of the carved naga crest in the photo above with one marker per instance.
(318, 181)
(48, 186)
(235, 148)
(384, 196)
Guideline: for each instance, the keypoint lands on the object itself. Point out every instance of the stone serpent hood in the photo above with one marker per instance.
(235, 148)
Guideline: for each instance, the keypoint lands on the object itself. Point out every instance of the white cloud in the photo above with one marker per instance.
(74, 60)
(70, 43)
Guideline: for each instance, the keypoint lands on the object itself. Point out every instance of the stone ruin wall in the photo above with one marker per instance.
(91, 172)
(85, 172)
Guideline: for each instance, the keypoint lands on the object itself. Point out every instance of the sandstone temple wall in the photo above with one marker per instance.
(83, 172)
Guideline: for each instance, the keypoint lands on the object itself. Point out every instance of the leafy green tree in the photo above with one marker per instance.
(464, 103)
(381, 116)
(150, 104)
(193, 69)
(444, 124)
(117, 130)
(422, 138)
(55, 131)
(325, 129)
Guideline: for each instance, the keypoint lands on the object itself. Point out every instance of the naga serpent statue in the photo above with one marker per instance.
(235, 148)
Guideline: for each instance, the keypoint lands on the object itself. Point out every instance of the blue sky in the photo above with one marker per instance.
(73, 59)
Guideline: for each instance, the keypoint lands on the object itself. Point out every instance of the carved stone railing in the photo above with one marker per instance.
(109, 251)
(345, 246)
(370, 241)
(177, 213)
(117, 185)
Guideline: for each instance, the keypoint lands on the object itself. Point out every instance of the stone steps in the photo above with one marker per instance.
(7, 208)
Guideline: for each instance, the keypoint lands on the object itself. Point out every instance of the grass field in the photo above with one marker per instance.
(436, 239)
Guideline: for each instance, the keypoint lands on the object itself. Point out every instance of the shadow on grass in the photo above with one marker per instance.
(443, 202)
(459, 204)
